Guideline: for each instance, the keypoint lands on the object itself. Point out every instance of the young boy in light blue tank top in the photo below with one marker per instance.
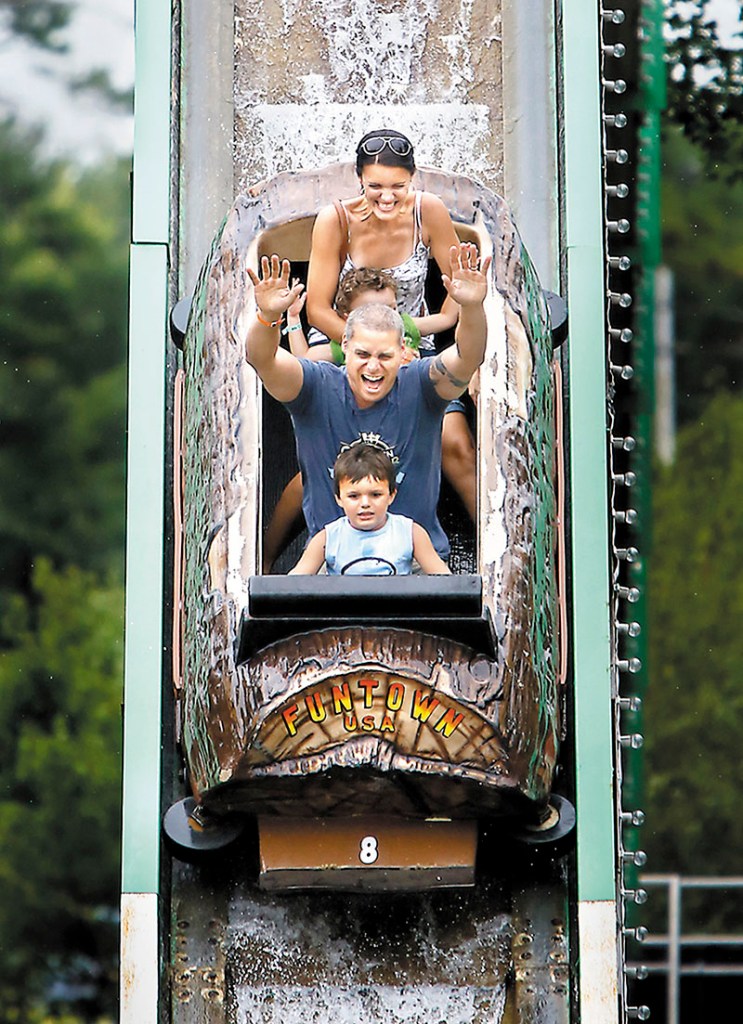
(368, 540)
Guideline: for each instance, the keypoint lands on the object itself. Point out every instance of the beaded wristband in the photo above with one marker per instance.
(266, 323)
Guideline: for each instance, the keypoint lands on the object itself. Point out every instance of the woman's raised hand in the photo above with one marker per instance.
(273, 295)
(468, 283)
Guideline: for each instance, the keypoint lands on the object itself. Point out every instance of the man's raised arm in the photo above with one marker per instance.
(280, 371)
(468, 286)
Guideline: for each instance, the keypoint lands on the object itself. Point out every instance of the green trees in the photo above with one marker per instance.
(694, 704)
(705, 86)
(703, 245)
(63, 314)
(38, 21)
(60, 694)
(63, 259)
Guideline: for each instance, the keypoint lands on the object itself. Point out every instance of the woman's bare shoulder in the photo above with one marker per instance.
(433, 206)
(330, 218)
(327, 215)
(436, 221)
(327, 227)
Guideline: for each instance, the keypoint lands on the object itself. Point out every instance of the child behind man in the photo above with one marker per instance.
(357, 287)
(368, 540)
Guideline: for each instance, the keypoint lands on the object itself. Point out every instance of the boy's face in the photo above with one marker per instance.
(365, 502)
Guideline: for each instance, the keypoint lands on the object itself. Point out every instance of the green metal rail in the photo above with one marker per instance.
(145, 495)
(584, 252)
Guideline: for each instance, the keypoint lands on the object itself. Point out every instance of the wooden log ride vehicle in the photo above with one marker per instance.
(328, 698)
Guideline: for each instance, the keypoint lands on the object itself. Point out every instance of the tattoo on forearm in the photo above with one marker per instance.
(440, 367)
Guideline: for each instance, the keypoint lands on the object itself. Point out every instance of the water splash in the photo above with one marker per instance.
(358, 65)
(313, 959)
(423, 1004)
(276, 138)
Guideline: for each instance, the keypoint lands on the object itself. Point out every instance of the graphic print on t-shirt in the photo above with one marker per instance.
(374, 441)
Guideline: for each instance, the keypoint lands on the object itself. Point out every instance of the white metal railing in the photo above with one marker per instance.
(675, 940)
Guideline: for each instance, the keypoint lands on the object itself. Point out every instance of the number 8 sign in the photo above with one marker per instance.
(368, 850)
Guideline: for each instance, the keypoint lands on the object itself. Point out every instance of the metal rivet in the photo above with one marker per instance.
(624, 335)
(627, 444)
(630, 628)
(638, 896)
(624, 479)
(633, 741)
(637, 857)
(624, 372)
(633, 665)
(636, 818)
(633, 704)
(614, 50)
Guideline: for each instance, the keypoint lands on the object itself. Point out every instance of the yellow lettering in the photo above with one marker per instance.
(368, 686)
(387, 724)
(395, 696)
(342, 700)
(449, 722)
(367, 723)
(289, 715)
(315, 707)
(423, 706)
(349, 723)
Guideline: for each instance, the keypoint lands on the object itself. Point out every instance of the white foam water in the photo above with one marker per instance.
(383, 1004)
(439, 958)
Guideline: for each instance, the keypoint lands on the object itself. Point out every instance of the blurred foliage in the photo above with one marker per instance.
(705, 85)
(38, 21)
(63, 316)
(99, 82)
(63, 263)
(703, 245)
(60, 742)
(43, 24)
(694, 707)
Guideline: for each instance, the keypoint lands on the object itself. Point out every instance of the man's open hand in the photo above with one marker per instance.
(468, 283)
(273, 295)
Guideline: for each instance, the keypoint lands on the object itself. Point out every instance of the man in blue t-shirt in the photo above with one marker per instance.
(373, 399)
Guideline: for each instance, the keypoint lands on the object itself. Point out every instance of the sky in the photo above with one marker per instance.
(101, 34)
(82, 127)
(727, 15)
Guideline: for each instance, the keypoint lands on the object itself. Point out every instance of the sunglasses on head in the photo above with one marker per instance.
(400, 147)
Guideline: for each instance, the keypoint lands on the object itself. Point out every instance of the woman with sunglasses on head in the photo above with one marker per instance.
(390, 226)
